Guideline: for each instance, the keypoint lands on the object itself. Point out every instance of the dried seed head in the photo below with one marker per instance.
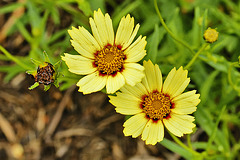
(45, 74)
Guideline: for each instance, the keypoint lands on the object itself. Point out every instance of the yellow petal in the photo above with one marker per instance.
(153, 132)
(179, 124)
(78, 64)
(133, 73)
(136, 51)
(126, 104)
(92, 83)
(138, 90)
(89, 38)
(153, 79)
(83, 42)
(186, 103)
(168, 80)
(134, 125)
(124, 30)
(176, 82)
(133, 34)
(110, 30)
(122, 24)
(101, 27)
(179, 89)
(158, 74)
(115, 83)
(95, 33)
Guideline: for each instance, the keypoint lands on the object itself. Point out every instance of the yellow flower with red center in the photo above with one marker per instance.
(155, 105)
(105, 59)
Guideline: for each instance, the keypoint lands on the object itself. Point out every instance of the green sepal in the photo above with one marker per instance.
(32, 72)
(46, 58)
(57, 64)
(37, 63)
(36, 84)
(46, 87)
(56, 84)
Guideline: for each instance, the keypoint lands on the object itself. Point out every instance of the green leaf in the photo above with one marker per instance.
(206, 86)
(196, 30)
(24, 31)
(123, 11)
(153, 45)
(204, 22)
(205, 119)
(176, 148)
(10, 7)
(85, 7)
(12, 71)
(95, 4)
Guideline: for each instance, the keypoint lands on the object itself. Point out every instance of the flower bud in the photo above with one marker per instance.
(210, 35)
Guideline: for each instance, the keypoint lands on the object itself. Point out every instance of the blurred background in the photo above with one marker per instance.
(65, 124)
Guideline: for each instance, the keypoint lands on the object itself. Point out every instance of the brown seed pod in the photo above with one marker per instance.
(45, 74)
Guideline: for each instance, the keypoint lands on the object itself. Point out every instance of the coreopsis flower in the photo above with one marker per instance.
(105, 59)
(45, 74)
(155, 105)
(210, 35)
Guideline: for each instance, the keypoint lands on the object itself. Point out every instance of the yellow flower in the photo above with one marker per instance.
(210, 35)
(106, 60)
(154, 104)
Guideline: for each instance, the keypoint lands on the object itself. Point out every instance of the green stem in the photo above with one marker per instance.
(189, 141)
(170, 32)
(212, 136)
(11, 57)
(180, 143)
(196, 56)
(230, 77)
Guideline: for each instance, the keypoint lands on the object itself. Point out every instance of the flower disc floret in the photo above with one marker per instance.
(109, 60)
(156, 105)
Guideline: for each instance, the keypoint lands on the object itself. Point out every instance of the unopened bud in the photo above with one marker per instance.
(210, 35)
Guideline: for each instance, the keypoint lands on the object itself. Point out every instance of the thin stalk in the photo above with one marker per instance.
(11, 57)
(180, 143)
(170, 32)
(213, 134)
(230, 77)
(189, 141)
(196, 56)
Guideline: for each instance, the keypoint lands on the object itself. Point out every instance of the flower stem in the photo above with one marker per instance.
(214, 131)
(189, 141)
(236, 88)
(196, 56)
(170, 32)
(11, 57)
(183, 145)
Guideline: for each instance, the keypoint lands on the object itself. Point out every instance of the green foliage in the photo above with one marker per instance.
(214, 72)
